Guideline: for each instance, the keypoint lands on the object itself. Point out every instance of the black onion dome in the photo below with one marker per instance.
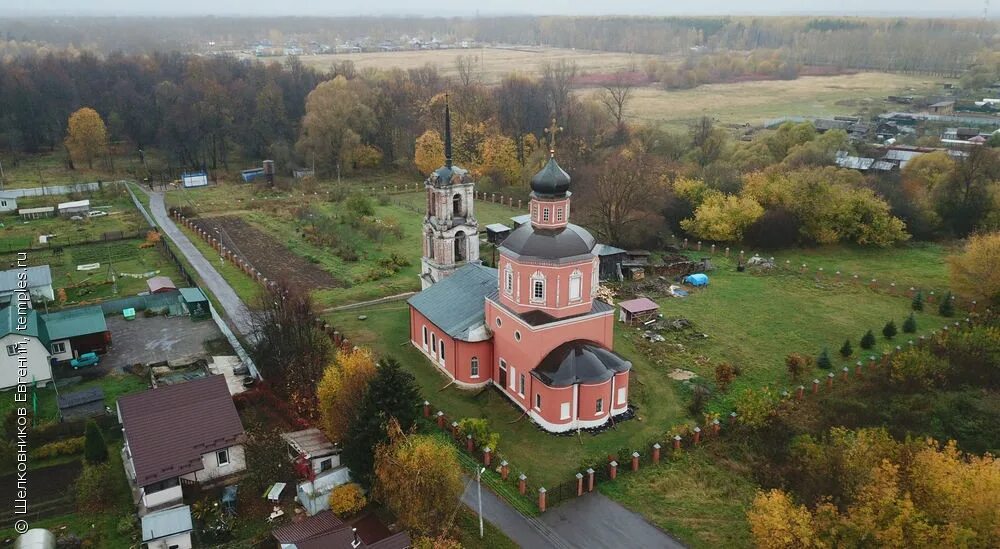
(553, 244)
(579, 361)
(551, 181)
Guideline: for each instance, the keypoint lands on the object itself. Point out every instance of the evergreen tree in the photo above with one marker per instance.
(392, 393)
(947, 306)
(910, 324)
(918, 301)
(889, 331)
(823, 360)
(868, 340)
(95, 449)
(846, 350)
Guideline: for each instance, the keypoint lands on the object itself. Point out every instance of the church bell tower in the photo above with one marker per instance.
(450, 229)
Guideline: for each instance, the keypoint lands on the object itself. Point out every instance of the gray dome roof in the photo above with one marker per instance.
(551, 180)
(569, 241)
(579, 361)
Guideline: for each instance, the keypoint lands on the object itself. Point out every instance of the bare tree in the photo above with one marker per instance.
(466, 67)
(558, 80)
(625, 198)
(616, 95)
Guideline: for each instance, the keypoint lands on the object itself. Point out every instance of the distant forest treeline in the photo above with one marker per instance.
(944, 46)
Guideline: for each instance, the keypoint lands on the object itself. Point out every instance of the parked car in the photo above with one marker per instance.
(85, 360)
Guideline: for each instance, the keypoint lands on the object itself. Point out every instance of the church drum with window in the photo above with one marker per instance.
(532, 327)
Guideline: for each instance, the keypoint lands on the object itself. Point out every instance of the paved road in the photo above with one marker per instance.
(235, 309)
(594, 521)
(524, 531)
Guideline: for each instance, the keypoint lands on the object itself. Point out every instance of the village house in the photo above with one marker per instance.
(8, 202)
(326, 531)
(532, 327)
(188, 434)
(38, 284)
(74, 332)
(24, 339)
(319, 461)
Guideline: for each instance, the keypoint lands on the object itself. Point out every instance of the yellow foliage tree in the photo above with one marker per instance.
(723, 217)
(347, 499)
(428, 152)
(418, 478)
(339, 390)
(976, 271)
(777, 523)
(86, 136)
(499, 159)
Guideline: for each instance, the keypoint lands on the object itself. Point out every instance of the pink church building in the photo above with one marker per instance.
(533, 327)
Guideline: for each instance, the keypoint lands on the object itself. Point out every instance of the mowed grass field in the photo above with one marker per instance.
(756, 102)
(490, 63)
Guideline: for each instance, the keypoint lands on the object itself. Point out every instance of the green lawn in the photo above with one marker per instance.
(246, 287)
(114, 386)
(546, 459)
(692, 496)
(754, 320)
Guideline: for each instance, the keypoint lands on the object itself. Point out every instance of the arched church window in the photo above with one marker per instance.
(460, 246)
(457, 209)
(538, 288)
(508, 279)
(576, 285)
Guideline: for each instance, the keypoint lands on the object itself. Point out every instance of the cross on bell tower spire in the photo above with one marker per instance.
(552, 131)
(447, 132)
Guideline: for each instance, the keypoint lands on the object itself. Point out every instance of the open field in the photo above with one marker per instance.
(491, 63)
(755, 102)
(38, 170)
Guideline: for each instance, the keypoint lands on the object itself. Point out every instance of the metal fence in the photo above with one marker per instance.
(169, 301)
(58, 189)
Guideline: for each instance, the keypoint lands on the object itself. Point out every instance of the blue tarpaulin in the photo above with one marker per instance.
(697, 279)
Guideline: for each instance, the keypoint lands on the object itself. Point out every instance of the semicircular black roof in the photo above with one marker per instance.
(569, 241)
(551, 180)
(579, 361)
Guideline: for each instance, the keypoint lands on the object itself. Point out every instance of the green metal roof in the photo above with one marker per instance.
(75, 322)
(458, 302)
(34, 326)
(192, 295)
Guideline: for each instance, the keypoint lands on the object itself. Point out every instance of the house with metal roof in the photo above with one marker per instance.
(75, 207)
(24, 348)
(326, 531)
(320, 458)
(168, 529)
(36, 280)
(81, 404)
(8, 202)
(188, 433)
(74, 332)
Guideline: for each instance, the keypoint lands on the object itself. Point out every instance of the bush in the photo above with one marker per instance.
(917, 369)
(889, 330)
(755, 408)
(947, 306)
(67, 447)
(868, 340)
(95, 447)
(94, 489)
(797, 364)
(918, 302)
(127, 524)
(725, 373)
(347, 499)
(777, 228)
(359, 204)
(823, 360)
(699, 397)
(479, 428)
(846, 350)
(910, 324)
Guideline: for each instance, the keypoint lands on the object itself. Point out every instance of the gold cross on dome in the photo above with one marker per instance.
(552, 131)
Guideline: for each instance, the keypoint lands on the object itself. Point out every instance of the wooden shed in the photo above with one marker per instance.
(639, 310)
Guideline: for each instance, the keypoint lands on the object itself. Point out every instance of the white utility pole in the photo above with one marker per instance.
(479, 490)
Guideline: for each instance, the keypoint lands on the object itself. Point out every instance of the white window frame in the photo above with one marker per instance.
(12, 350)
(220, 454)
(425, 337)
(559, 214)
(508, 275)
(622, 395)
(576, 283)
(513, 377)
(595, 278)
(564, 410)
(474, 367)
(499, 322)
(537, 278)
(520, 385)
(599, 408)
(545, 215)
(441, 347)
(538, 401)
(59, 347)
(517, 335)
(434, 343)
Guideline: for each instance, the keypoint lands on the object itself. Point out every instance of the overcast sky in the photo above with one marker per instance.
(951, 8)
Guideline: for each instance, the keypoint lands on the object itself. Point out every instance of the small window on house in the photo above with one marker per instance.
(474, 367)
(11, 350)
(564, 410)
(517, 335)
(508, 275)
(621, 396)
(434, 343)
(559, 214)
(520, 385)
(513, 377)
(600, 406)
(538, 290)
(325, 465)
(425, 335)
(499, 322)
(538, 401)
(59, 347)
(545, 214)
(223, 457)
(442, 350)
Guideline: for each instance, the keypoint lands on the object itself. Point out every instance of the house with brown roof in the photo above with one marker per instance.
(326, 531)
(180, 435)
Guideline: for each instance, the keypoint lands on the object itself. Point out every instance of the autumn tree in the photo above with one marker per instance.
(338, 390)
(725, 373)
(336, 118)
(465, 66)
(347, 499)
(419, 478)
(391, 395)
(428, 153)
(976, 271)
(755, 408)
(963, 199)
(615, 97)
(499, 159)
(86, 136)
(625, 195)
(723, 217)
(776, 522)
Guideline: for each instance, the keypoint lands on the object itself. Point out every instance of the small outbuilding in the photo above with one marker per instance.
(8, 202)
(76, 207)
(496, 233)
(160, 284)
(36, 213)
(82, 404)
(611, 259)
(697, 279)
(194, 179)
(169, 528)
(519, 220)
(74, 332)
(195, 302)
(639, 310)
